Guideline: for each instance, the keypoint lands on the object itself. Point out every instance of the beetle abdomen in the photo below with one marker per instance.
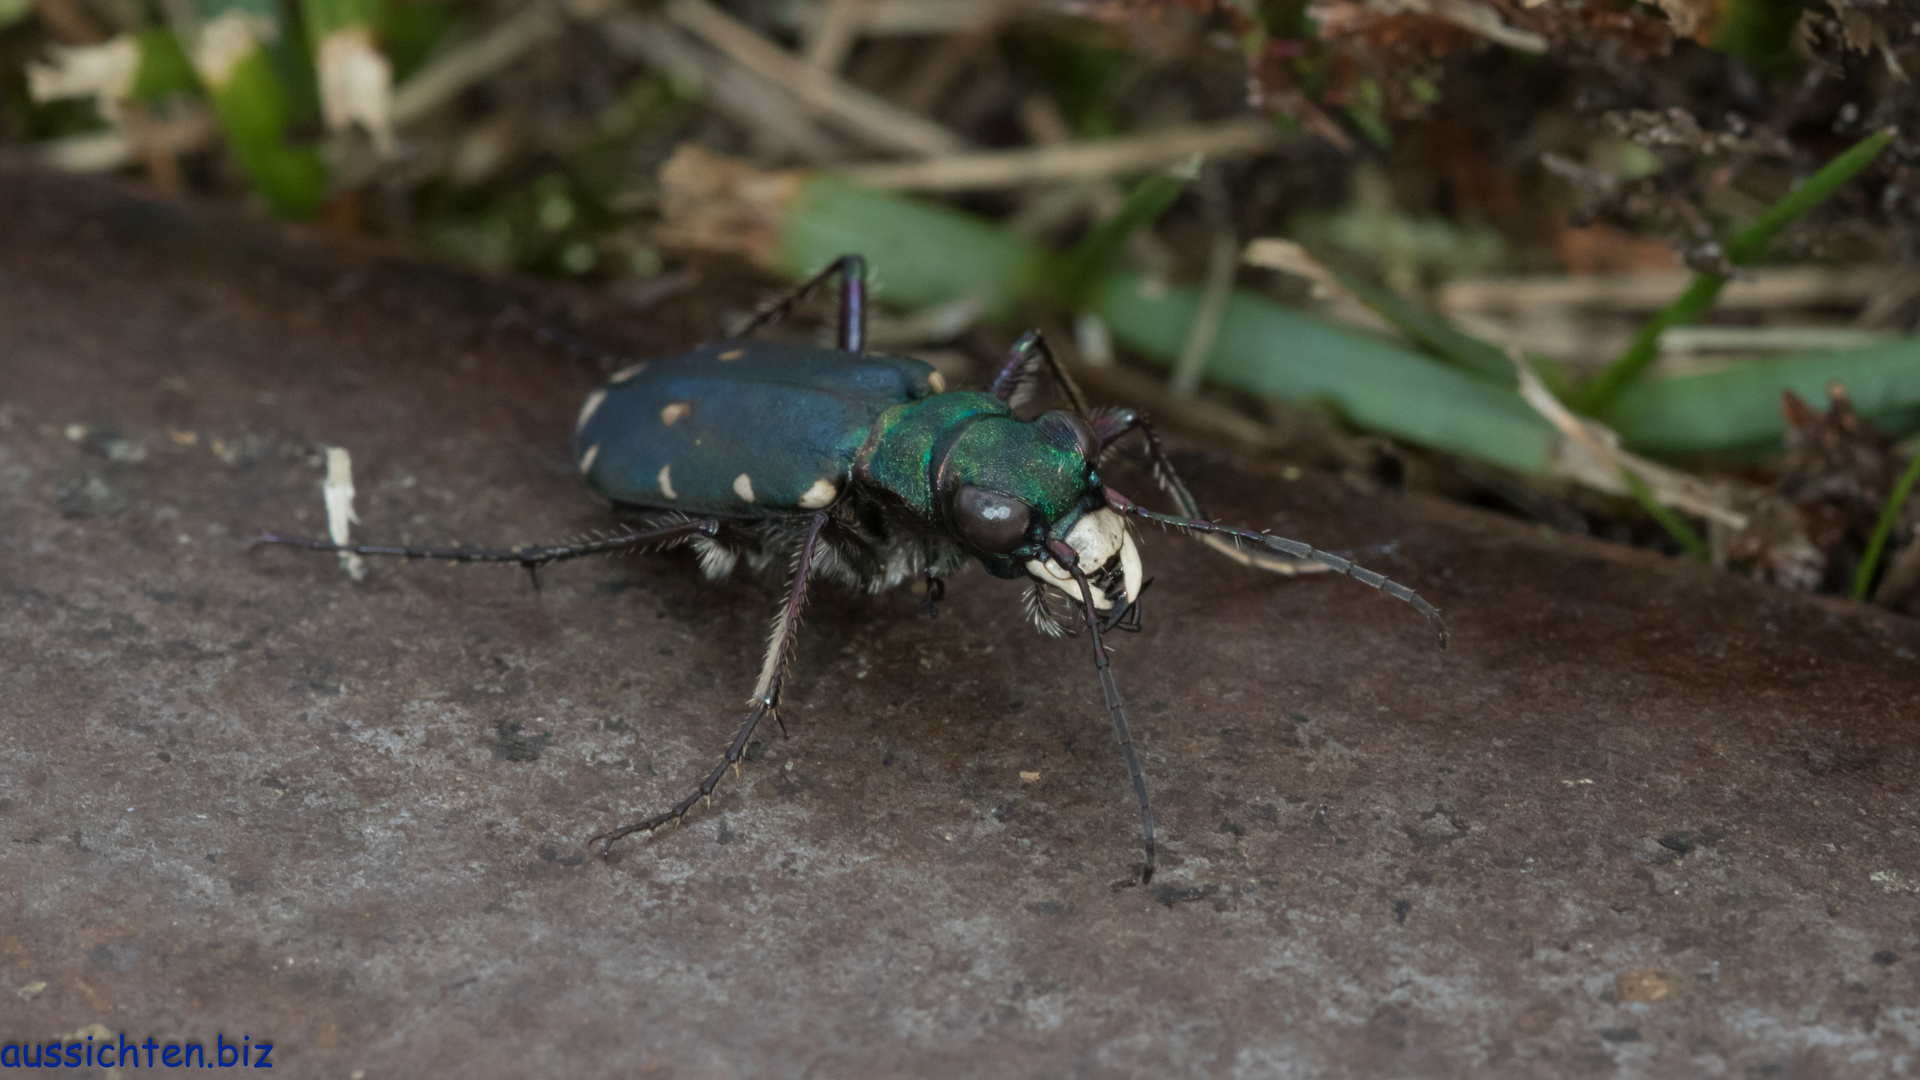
(739, 428)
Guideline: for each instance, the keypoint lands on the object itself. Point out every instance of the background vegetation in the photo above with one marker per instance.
(1640, 269)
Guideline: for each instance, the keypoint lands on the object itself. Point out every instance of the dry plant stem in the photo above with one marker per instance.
(832, 34)
(1887, 300)
(855, 111)
(1472, 16)
(1889, 517)
(1076, 161)
(1590, 454)
(1693, 339)
(1343, 303)
(462, 67)
(1223, 258)
(1786, 287)
(915, 18)
(755, 104)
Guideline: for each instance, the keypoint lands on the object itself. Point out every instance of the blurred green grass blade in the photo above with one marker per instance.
(1688, 539)
(1431, 331)
(1082, 265)
(413, 30)
(920, 253)
(1739, 408)
(253, 110)
(325, 16)
(1755, 238)
(924, 254)
(1889, 516)
(164, 68)
(1278, 352)
(228, 43)
(1597, 396)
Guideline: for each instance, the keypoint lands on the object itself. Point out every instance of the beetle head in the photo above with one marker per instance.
(1020, 494)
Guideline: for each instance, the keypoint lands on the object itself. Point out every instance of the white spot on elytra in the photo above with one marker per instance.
(733, 354)
(675, 412)
(626, 373)
(666, 481)
(820, 494)
(586, 459)
(743, 487)
(586, 411)
(937, 383)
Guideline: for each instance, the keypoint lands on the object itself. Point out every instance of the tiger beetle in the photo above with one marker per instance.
(865, 469)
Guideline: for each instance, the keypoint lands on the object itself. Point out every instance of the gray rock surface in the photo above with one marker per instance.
(1641, 820)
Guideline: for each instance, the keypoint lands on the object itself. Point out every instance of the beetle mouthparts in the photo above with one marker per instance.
(1107, 556)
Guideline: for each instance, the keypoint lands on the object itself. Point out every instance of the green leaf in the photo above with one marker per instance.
(12, 11)
(1278, 352)
(164, 68)
(1738, 408)
(253, 111)
(920, 253)
(924, 254)
(325, 16)
(1435, 333)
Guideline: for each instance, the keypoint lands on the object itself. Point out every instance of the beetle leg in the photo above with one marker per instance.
(1114, 425)
(532, 557)
(1013, 383)
(765, 701)
(1227, 534)
(1116, 708)
(852, 271)
(936, 592)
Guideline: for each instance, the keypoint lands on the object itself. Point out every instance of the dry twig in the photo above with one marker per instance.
(853, 110)
(1074, 161)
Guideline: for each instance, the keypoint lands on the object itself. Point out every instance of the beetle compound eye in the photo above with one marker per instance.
(989, 520)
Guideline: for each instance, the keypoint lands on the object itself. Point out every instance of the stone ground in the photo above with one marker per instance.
(1642, 820)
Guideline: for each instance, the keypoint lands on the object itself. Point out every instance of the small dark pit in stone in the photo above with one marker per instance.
(1886, 958)
(512, 745)
(1678, 842)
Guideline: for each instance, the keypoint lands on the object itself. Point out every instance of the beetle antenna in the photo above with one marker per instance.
(1115, 706)
(1293, 548)
(548, 334)
(532, 556)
